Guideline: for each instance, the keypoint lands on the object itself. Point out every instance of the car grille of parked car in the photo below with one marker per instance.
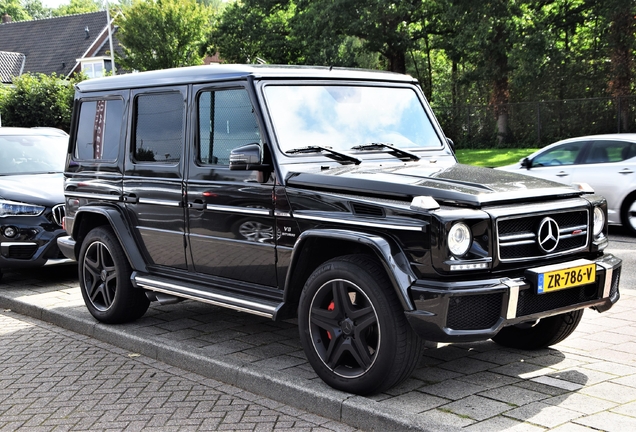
(58, 214)
(518, 235)
(474, 312)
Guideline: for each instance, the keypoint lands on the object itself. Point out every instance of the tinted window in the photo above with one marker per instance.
(610, 151)
(159, 128)
(99, 129)
(226, 121)
(565, 154)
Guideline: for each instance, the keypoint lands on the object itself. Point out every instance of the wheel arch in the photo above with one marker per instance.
(91, 217)
(306, 258)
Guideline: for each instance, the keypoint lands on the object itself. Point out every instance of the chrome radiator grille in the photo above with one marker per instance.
(539, 235)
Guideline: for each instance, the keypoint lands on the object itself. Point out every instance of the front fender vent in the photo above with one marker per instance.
(367, 210)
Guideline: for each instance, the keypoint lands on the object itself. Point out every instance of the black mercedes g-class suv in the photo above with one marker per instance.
(328, 195)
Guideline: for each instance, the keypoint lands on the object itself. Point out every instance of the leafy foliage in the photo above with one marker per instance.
(78, 7)
(38, 100)
(160, 34)
(15, 9)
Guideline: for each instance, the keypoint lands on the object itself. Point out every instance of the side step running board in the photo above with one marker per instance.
(239, 302)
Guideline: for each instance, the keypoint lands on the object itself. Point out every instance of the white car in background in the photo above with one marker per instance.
(605, 162)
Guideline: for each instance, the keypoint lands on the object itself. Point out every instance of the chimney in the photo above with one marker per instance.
(6, 18)
(87, 32)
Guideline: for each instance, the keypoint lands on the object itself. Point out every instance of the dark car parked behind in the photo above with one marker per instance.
(31, 196)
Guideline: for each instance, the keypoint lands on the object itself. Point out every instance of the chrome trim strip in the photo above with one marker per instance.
(56, 261)
(166, 203)
(216, 299)
(9, 244)
(609, 272)
(359, 222)
(513, 297)
(518, 243)
(279, 213)
(514, 237)
(243, 210)
(92, 196)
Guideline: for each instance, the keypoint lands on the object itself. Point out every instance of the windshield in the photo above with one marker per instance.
(341, 117)
(25, 154)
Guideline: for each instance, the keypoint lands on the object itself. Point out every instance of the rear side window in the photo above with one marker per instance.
(226, 121)
(159, 124)
(99, 130)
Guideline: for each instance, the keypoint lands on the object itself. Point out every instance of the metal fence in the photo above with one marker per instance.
(535, 124)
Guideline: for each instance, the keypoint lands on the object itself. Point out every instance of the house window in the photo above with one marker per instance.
(96, 67)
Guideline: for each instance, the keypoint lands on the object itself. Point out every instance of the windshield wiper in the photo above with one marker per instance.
(333, 154)
(392, 150)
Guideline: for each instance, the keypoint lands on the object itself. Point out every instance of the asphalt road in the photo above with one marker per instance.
(624, 246)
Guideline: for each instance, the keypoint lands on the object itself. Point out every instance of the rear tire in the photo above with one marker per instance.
(353, 329)
(104, 276)
(546, 332)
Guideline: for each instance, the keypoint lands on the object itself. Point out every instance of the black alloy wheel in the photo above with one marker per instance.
(353, 328)
(105, 279)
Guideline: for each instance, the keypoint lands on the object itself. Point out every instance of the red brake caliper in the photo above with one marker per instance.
(331, 307)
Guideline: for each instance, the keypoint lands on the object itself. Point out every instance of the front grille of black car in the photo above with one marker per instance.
(22, 251)
(474, 312)
(58, 214)
(518, 235)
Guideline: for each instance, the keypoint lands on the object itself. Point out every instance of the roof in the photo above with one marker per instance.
(11, 65)
(216, 72)
(54, 44)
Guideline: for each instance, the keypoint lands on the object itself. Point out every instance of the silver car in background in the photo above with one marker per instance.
(605, 162)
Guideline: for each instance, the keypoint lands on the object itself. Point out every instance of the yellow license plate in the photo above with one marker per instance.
(566, 278)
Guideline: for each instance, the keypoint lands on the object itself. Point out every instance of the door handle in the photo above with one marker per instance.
(626, 171)
(562, 174)
(131, 198)
(197, 205)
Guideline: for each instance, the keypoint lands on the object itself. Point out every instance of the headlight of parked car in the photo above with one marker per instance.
(12, 208)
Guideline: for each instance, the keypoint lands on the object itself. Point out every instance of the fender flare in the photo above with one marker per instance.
(120, 227)
(390, 255)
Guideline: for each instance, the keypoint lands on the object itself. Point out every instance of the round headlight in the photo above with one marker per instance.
(599, 221)
(459, 239)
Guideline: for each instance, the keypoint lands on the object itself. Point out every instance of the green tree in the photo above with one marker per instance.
(39, 100)
(78, 7)
(36, 9)
(159, 34)
(15, 9)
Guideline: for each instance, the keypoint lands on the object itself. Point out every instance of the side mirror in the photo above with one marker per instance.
(247, 157)
(526, 163)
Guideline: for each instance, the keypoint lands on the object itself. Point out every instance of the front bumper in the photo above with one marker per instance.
(39, 251)
(477, 309)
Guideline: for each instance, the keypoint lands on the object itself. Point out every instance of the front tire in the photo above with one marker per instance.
(628, 214)
(104, 276)
(546, 332)
(353, 329)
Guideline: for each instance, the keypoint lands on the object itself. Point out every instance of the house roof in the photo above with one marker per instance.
(11, 65)
(54, 44)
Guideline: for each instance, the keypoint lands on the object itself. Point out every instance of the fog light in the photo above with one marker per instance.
(9, 232)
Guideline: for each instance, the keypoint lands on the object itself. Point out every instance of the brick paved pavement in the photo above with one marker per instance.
(54, 379)
(588, 382)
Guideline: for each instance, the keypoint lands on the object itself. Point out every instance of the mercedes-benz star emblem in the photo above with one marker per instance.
(548, 235)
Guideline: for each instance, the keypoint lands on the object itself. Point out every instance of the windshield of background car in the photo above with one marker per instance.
(341, 117)
(30, 154)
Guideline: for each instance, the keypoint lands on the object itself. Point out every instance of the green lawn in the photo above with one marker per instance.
(492, 157)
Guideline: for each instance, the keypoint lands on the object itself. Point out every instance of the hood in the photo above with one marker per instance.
(456, 184)
(40, 189)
